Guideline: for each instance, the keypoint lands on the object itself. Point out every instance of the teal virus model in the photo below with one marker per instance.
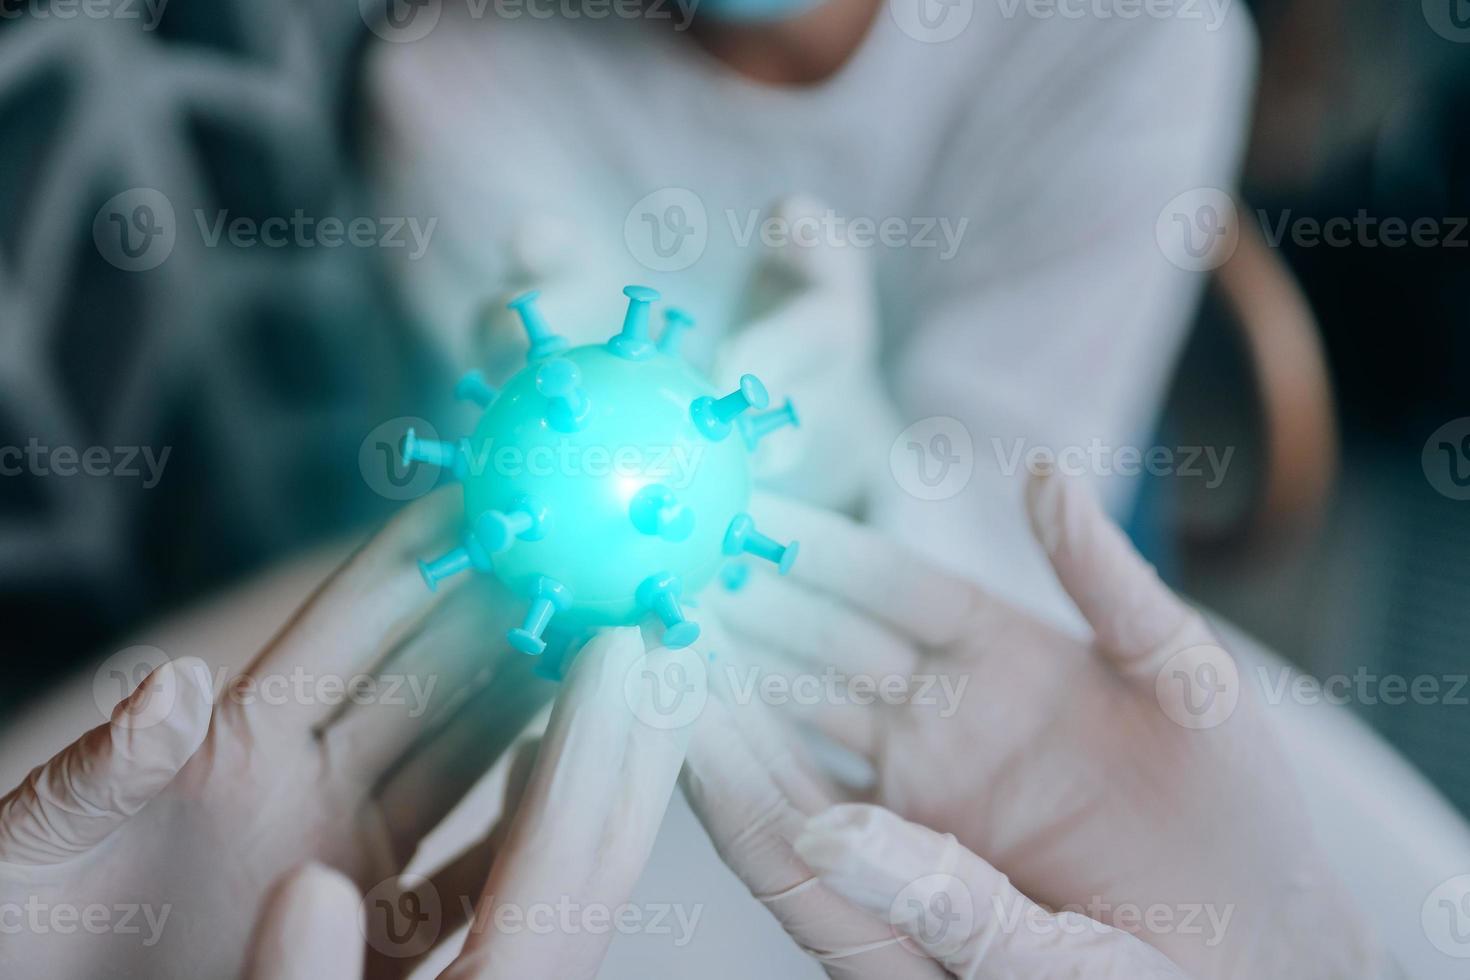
(605, 482)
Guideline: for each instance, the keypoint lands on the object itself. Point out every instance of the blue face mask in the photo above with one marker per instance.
(752, 11)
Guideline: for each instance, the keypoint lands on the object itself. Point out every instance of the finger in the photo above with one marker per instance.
(819, 699)
(455, 753)
(872, 573)
(396, 945)
(815, 629)
(958, 909)
(360, 613)
(309, 929)
(417, 683)
(753, 802)
(1138, 621)
(90, 788)
(585, 828)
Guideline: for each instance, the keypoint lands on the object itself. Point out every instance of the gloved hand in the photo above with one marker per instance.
(586, 807)
(871, 896)
(1089, 770)
(134, 850)
(811, 333)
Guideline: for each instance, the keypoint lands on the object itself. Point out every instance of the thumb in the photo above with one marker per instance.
(91, 787)
(310, 928)
(1138, 620)
(958, 909)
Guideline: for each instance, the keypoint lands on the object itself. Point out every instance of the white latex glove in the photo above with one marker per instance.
(134, 850)
(954, 907)
(585, 818)
(1065, 762)
(811, 333)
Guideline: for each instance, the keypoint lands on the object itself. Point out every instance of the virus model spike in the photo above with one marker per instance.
(753, 428)
(676, 324)
(561, 382)
(714, 415)
(659, 593)
(548, 597)
(633, 342)
(473, 387)
(742, 536)
(435, 452)
(544, 343)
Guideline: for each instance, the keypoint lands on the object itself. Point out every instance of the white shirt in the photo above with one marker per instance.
(1027, 160)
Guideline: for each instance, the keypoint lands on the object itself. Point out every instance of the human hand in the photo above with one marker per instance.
(583, 807)
(811, 330)
(1081, 768)
(177, 813)
(868, 895)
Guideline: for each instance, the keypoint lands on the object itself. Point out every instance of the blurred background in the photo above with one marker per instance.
(1339, 537)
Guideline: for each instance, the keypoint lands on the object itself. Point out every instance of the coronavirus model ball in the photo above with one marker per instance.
(606, 481)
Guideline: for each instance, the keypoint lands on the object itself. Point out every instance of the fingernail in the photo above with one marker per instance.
(1045, 492)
